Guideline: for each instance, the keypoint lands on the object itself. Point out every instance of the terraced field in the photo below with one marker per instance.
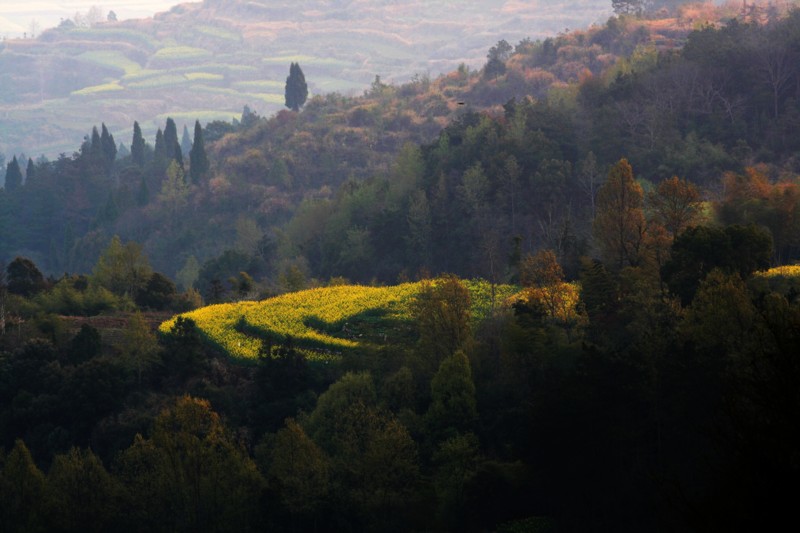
(325, 322)
(213, 58)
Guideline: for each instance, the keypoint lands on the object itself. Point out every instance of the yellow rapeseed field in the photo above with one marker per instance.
(316, 319)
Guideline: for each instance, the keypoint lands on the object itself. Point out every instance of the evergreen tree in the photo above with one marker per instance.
(171, 144)
(198, 161)
(96, 146)
(143, 194)
(108, 145)
(186, 142)
(110, 212)
(122, 151)
(453, 404)
(30, 172)
(160, 160)
(22, 487)
(137, 146)
(13, 175)
(296, 88)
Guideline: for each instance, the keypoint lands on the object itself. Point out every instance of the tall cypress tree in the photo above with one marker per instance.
(96, 148)
(108, 145)
(171, 143)
(137, 146)
(296, 91)
(30, 172)
(13, 175)
(186, 141)
(198, 161)
(160, 160)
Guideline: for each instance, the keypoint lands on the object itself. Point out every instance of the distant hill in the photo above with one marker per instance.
(207, 60)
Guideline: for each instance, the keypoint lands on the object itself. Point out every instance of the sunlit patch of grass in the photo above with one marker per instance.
(263, 86)
(203, 115)
(118, 34)
(174, 53)
(316, 319)
(142, 74)
(217, 32)
(112, 58)
(95, 89)
(305, 60)
(781, 279)
(162, 80)
(269, 98)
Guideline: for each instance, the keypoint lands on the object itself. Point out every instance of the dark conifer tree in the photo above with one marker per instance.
(186, 141)
(137, 146)
(143, 195)
(296, 88)
(160, 160)
(198, 161)
(171, 143)
(108, 145)
(13, 175)
(97, 143)
(30, 172)
(110, 211)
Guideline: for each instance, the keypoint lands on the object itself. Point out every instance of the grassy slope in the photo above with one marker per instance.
(325, 321)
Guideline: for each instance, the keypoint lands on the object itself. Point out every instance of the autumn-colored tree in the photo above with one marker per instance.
(750, 198)
(543, 279)
(676, 205)
(541, 269)
(619, 225)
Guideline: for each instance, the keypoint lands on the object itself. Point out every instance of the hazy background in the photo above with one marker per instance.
(16, 16)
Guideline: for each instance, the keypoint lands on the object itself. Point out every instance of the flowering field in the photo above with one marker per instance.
(780, 279)
(317, 319)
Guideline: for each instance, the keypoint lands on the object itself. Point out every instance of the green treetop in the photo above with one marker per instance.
(13, 175)
(137, 146)
(198, 161)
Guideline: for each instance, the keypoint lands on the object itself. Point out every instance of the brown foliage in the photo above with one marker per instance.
(675, 204)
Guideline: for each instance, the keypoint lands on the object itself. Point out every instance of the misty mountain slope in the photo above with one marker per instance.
(207, 60)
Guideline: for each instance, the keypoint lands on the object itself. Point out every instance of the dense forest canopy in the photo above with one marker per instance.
(628, 195)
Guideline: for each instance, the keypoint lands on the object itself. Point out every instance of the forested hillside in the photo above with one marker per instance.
(556, 293)
(395, 181)
(206, 60)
